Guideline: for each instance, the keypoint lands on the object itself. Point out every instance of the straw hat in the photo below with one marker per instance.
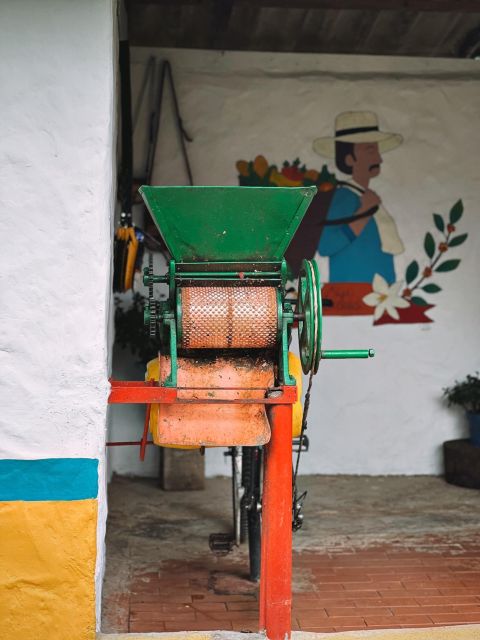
(357, 126)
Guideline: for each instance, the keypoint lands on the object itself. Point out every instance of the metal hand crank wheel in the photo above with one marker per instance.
(309, 308)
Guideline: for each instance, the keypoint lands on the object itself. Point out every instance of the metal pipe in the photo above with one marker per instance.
(211, 275)
(341, 354)
(126, 443)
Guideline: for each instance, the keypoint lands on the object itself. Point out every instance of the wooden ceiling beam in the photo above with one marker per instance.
(454, 6)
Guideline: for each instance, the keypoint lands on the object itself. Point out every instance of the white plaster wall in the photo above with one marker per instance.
(56, 191)
(126, 423)
(383, 416)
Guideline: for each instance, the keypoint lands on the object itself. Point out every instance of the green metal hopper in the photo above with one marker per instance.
(223, 241)
(225, 224)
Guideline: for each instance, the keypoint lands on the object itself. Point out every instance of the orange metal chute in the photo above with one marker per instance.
(185, 424)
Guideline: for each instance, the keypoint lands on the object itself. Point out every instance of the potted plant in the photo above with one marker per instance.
(466, 394)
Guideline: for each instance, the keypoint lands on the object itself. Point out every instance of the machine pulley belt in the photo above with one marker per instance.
(296, 500)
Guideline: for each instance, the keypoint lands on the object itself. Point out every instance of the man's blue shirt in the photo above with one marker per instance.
(353, 258)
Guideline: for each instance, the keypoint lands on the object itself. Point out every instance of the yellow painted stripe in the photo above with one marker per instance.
(47, 567)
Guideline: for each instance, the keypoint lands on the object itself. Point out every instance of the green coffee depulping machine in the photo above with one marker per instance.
(224, 328)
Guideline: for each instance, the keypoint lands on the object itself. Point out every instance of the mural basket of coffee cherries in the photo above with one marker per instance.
(407, 299)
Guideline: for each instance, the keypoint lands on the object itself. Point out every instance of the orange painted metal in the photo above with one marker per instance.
(229, 317)
(231, 388)
(196, 419)
(276, 567)
(144, 440)
(139, 392)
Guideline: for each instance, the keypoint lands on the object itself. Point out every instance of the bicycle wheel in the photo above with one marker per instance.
(237, 492)
(246, 499)
(252, 493)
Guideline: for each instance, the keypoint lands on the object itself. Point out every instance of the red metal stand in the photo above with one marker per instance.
(276, 567)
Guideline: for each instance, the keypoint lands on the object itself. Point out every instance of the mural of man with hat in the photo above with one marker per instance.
(359, 249)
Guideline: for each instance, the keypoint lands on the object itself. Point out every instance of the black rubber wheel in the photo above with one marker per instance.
(254, 465)
(246, 483)
(236, 453)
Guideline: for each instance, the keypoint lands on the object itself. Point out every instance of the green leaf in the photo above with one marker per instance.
(431, 288)
(456, 212)
(454, 242)
(448, 265)
(420, 301)
(412, 271)
(429, 244)
(439, 223)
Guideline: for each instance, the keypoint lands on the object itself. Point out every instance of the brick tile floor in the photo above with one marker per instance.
(378, 587)
(382, 552)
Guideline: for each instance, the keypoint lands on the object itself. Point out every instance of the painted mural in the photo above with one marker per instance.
(349, 224)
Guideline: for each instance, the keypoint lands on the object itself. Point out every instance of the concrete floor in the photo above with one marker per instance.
(148, 528)
(361, 510)
(467, 632)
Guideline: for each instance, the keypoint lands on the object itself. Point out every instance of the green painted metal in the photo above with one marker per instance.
(215, 224)
(310, 326)
(283, 368)
(228, 234)
(171, 380)
(152, 279)
(343, 354)
(310, 307)
(224, 275)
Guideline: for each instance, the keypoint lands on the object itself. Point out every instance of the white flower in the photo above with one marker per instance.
(385, 298)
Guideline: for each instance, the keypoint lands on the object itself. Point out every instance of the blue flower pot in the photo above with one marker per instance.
(474, 424)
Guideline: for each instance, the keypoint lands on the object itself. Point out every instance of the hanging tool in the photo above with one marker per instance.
(154, 82)
(125, 254)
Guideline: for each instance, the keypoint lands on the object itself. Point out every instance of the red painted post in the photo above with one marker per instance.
(276, 567)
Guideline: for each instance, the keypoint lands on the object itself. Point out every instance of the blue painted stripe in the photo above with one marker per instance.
(49, 479)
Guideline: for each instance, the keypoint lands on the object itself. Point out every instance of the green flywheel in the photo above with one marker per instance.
(309, 308)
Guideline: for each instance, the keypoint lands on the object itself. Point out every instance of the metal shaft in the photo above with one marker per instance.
(342, 354)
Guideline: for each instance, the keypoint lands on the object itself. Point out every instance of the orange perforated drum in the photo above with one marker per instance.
(229, 317)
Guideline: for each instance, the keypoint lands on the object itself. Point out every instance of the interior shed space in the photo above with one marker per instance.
(369, 109)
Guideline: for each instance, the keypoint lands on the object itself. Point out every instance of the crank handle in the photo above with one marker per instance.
(342, 354)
